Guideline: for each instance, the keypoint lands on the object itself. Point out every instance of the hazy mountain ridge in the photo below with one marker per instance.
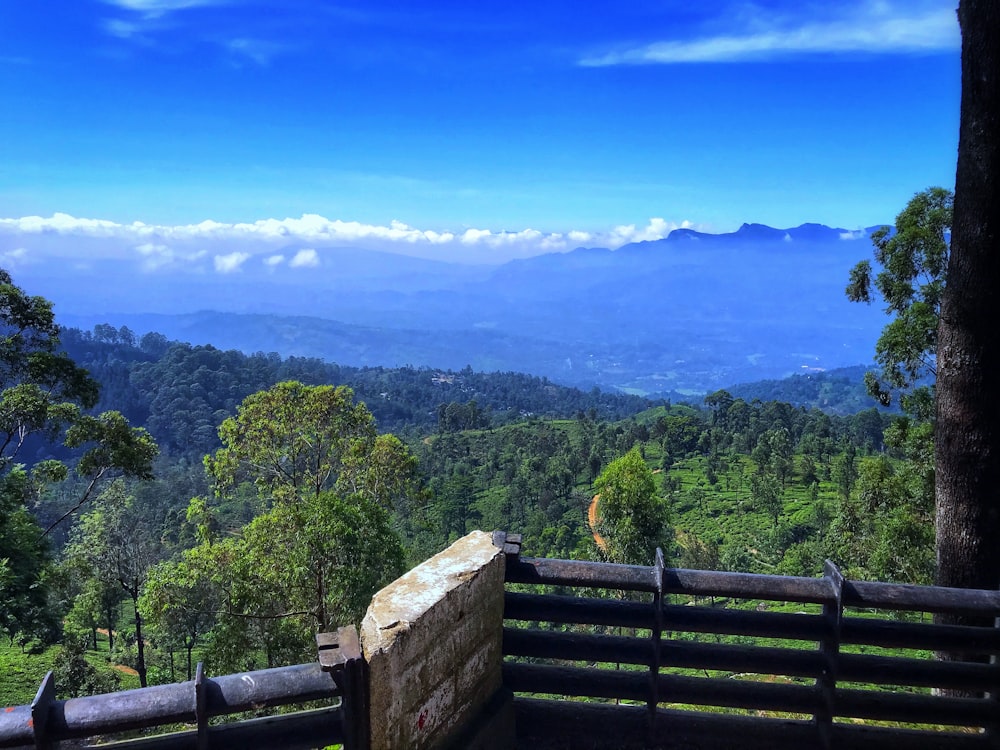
(691, 312)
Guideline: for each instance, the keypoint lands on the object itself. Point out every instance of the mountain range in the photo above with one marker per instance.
(689, 313)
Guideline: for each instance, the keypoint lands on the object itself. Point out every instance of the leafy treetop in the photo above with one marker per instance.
(913, 261)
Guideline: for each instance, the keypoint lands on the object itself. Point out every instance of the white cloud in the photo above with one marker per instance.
(232, 244)
(231, 262)
(871, 28)
(122, 29)
(552, 242)
(305, 258)
(14, 257)
(147, 16)
(62, 223)
(532, 237)
(857, 234)
(315, 227)
(156, 256)
(472, 236)
(159, 7)
(256, 50)
(657, 229)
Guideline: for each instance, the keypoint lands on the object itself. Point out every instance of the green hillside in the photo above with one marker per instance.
(757, 485)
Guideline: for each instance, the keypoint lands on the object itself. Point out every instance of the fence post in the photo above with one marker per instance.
(657, 634)
(993, 730)
(44, 699)
(833, 612)
(340, 654)
(200, 699)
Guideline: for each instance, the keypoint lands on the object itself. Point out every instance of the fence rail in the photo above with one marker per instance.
(824, 672)
(47, 722)
(678, 659)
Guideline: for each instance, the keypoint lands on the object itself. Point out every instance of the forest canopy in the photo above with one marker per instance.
(278, 504)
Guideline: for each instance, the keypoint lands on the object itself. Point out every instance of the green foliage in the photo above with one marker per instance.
(309, 498)
(633, 518)
(96, 605)
(21, 672)
(182, 393)
(200, 515)
(680, 432)
(696, 554)
(912, 262)
(537, 478)
(114, 449)
(293, 440)
(382, 471)
(75, 676)
(312, 560)
(297, 569)
(455, 416)
(113, 540)
(114, 545)
(39, 385)
(765, 494)
(884, 529)
(42, 395)
(840, 391)
(24, 558)
(113, 445)
(531, 477)
(41, 392)
(181, 601)
(337, 552)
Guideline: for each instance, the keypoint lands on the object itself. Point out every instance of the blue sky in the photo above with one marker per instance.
(479, 130)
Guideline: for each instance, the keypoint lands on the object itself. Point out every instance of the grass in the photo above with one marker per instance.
(724, 513)
(21, 673)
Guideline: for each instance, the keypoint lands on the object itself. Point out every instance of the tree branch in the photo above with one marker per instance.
(75, 508)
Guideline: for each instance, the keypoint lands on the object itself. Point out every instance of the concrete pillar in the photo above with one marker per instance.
(432, 640)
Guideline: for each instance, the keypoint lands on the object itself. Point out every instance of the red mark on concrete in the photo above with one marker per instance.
(8, 709)
(422, 719)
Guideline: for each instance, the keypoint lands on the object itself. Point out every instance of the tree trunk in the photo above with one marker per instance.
(967, 432)
(967, 426)
(110, 618)
(140, 644)
(320, 600)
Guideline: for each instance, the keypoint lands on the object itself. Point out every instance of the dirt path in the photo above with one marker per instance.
(592, 520)
(119, 667)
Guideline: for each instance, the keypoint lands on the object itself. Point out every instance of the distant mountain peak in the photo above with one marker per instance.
(686, 234)
(749, 234)
(760, 231)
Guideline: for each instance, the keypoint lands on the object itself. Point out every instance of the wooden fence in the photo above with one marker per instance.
(659, 657)
(610, 656)
(189, 711)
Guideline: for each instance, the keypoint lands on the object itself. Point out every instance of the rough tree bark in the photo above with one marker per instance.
(967, 432)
